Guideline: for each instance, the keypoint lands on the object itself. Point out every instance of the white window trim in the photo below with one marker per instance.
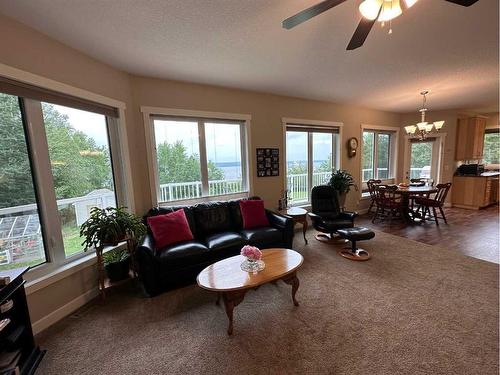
(394, 151)
(285, 121)
(148, 114)
(119, 145)
(441, 137)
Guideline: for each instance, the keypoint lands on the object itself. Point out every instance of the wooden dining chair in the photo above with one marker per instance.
(417, 181)
(437, 202)
(371, 189)
(389, 203)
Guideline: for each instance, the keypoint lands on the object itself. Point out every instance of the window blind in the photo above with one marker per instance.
(25, 90)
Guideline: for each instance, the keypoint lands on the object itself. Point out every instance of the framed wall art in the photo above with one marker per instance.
(268, 162)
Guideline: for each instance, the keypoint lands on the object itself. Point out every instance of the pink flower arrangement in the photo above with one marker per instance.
(251, 252)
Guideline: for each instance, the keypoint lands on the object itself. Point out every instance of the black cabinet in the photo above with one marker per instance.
(18, 352)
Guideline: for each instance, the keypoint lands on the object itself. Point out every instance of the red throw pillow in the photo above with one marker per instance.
(253, 214)
(170, 228)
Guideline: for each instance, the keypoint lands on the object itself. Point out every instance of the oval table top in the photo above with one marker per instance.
(416, 190)
(226, 274)
(293, 211)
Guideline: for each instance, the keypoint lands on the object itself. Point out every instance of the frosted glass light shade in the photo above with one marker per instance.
(438, 124)
(390, 10)
(410, 3)
(428, 127)
(369, 8)
(422, 125)
(410, 129)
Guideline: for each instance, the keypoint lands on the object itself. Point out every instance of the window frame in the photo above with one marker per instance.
(311, 126)
(393, 133)
(491, 130)
(244, 120)
(55, 257)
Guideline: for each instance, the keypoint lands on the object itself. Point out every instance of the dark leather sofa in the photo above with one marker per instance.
(218, 233)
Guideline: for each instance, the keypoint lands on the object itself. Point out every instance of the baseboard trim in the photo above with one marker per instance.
(63, 311)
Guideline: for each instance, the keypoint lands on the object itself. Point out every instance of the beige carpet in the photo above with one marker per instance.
(411, 309)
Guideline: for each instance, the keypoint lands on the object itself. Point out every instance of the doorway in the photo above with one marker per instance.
(423, 158)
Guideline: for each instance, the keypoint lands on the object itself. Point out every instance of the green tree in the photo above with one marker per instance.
(492, 148)
(16, 184)
(175, 165)
(78, 164)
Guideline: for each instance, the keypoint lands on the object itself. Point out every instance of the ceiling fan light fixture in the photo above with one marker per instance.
(390, 10)
(369, 8)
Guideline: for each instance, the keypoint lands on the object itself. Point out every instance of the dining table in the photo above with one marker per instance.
(407, 194)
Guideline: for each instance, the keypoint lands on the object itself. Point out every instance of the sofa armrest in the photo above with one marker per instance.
(284, 224)
(146, 245)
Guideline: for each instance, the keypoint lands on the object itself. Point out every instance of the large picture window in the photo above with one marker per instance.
(377, 158)
(199, 157)
(311, 154)
(55, 165)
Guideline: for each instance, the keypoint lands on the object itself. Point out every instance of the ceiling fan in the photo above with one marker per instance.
(371, 10)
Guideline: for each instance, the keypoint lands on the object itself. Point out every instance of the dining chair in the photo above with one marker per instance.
(371, 189)
(417, 181)
(437, 202)
(389, 203)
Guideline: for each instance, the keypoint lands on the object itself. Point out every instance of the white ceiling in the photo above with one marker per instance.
(436, 45)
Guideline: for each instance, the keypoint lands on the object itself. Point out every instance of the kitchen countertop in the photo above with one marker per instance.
(484, 174)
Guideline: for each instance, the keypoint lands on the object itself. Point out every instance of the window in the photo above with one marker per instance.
(80, 161)
(21, 238)
(48, 196)
(197, 158)
(378, 150)
(491, 150)
(311, 154)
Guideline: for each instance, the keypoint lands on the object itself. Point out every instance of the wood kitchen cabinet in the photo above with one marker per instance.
(470, 138)
(474, 192)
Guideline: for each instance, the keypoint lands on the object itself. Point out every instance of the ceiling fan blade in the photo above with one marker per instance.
(464, 3)
(362, 31)
(309, 13)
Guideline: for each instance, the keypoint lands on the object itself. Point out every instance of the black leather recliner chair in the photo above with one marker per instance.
(327, 216)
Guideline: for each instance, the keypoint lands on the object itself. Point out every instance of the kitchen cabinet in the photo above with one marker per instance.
(474, 192)
(470, 138)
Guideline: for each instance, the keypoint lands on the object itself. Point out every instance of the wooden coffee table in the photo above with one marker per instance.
(231, 282)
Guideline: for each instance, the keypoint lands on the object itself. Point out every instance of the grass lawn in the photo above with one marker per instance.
(72, 240)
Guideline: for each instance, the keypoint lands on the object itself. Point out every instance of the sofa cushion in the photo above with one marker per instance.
(225, 240)
(183, 254)
(170, 228)
(264, 236)
(188, 210)
(212, 218)
(254, 214)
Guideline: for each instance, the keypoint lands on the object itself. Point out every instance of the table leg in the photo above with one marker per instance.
(304, 229)
(292, 280)
(231, 300)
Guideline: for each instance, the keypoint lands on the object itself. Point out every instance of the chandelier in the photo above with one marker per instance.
(422, 129)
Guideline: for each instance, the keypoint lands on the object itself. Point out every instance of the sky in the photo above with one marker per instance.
(92, 124)
(223, 140)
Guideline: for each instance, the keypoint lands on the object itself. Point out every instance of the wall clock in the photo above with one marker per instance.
(352, 146)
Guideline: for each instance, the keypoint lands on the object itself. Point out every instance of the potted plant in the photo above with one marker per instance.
(342, 181)
(116, 264)
(109, 226)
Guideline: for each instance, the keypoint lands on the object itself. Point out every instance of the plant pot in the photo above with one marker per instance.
(342, 199)
(117, 271)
